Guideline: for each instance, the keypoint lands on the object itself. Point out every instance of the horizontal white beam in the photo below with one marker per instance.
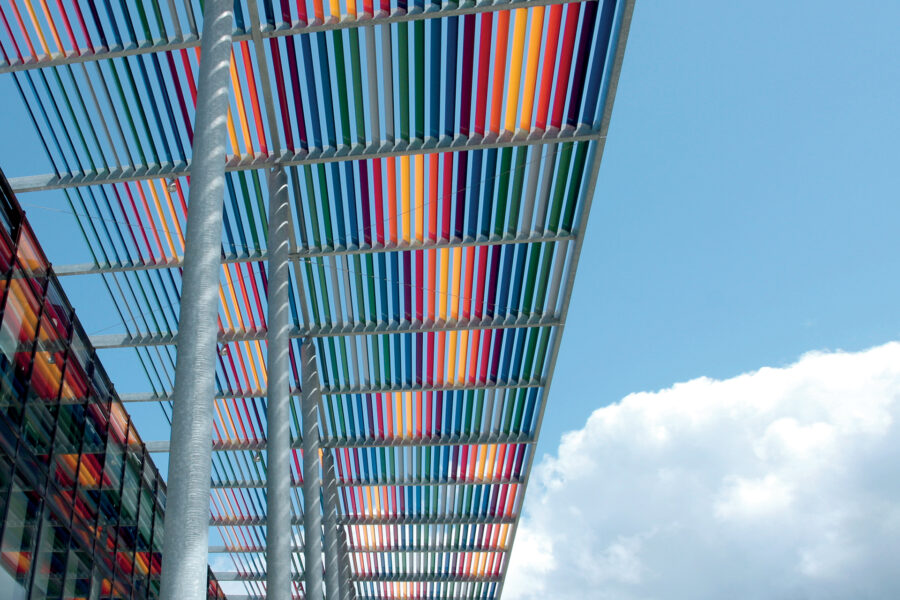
(162, 446)
(122, 267)
(412, 577)
(360, 597)
(398, 520)
(38, 183)
(124, 340)
(429, 549)
(301, 254)
(359, 389)
(404, 482)
(192, 40)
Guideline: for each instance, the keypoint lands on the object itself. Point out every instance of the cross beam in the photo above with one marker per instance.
(368, 520)
(125, 340)
(348, 22)
(362, 597)
(403, 482)
(411, 577)
(430, 549)
(342, 153)
(303, 254)
(360, 389)
(162, 446)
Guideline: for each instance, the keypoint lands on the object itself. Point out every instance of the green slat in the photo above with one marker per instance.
(311, 203)
(142, 15)
(160, 22)
(479, 406)
(261, 207)
(385, 345)
(356, 70)
(341, 80)
(140, 106)
(324, 204)
(311, 290)
(403, 88)
(528, 359)
(345, 370)
(370, 266)
(357, 284)
(544, 278)
(502, 191)
(581, 149)
(73, 120)
(323, 287)
(337, 426)
(528, 292)
(124, 101)
(248, 222)
(542, 350)
(562, 173)
(419, 56)
(520, 409)
(518, 178)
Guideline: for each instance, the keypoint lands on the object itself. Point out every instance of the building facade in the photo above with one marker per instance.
(81, 502)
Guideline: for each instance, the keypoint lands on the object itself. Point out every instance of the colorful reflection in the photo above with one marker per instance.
(81, 502)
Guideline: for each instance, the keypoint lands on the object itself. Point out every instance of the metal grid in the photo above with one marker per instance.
(440, 163)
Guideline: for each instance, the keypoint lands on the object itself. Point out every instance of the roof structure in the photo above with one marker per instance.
(441, 161)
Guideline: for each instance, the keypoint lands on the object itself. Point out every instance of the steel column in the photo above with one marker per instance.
(278, 416)
(332, 567)
(184, 562)
(348, 590)
(312, 479)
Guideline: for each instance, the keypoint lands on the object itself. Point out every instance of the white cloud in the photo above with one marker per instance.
(781, 483)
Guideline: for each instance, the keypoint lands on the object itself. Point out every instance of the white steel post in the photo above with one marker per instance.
(278, 415)
(185, 547)
(332, 566)
(312, 479)
(348, 591)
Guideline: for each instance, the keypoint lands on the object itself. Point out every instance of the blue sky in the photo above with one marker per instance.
(746, 208)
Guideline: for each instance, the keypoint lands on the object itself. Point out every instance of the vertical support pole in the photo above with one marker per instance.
(312, 480)
(332, 567)
(348, 591)
(185, 548)
(278, 416)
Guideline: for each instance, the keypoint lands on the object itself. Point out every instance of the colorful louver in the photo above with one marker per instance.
(441, 159)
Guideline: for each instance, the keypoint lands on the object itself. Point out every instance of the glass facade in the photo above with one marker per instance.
(81, 502)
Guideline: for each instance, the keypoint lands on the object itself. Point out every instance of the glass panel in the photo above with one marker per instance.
(17, 332)
(78, 576)
(6, 263)
(80, 349)
(110, 493)
(19, 537)
(8, 437)
(38, 428)
(57, 310)
(31, 257)
(6, 470)
(9, 217)
(50, 560)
